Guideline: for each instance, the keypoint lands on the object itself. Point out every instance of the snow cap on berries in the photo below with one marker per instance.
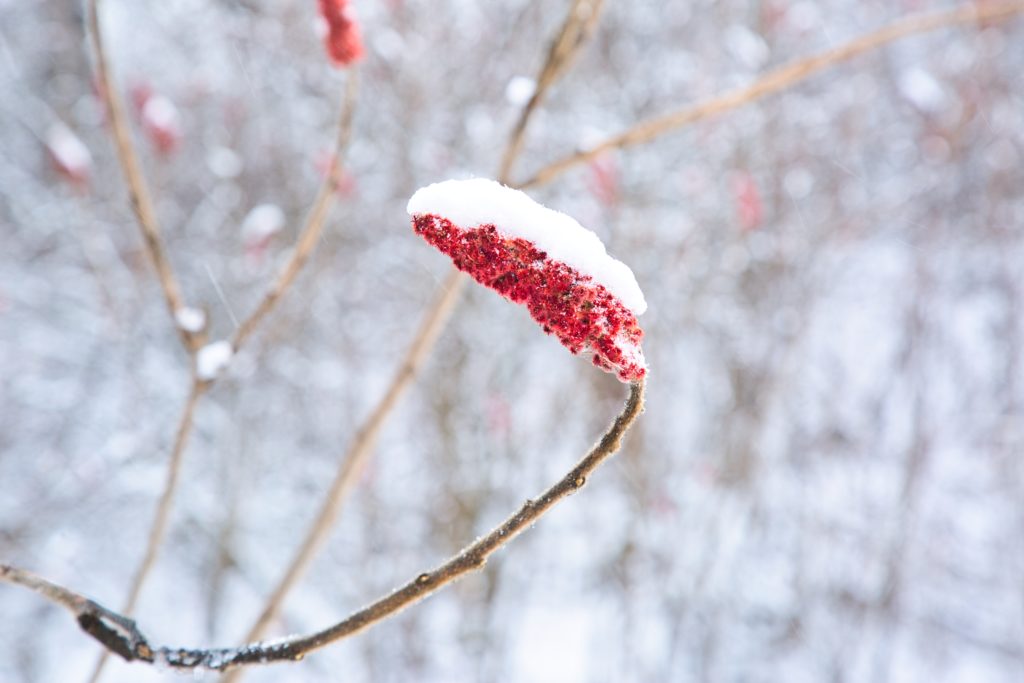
(540, 258)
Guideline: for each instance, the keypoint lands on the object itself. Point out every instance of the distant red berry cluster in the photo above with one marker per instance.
(568, 304)
(160, 118)
(343, 41)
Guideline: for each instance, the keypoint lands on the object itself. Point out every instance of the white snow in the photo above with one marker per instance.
(190, 319)
(921, 88)
(519, 90)
(69, 151)
(263, 221)
(213, 358)
(478, 201)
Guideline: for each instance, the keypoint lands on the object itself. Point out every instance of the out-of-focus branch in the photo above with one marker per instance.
(300, 255)
(781, 79)
(358, 452)
(120, 634)
(158, 529)
(576, 30)
(163, 508)
(138, 192)
(578, 26)
(314, 221)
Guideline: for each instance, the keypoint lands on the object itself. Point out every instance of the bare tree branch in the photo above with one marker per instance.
(358, 453)
(120, 635)
(158, 529)
(780, 79)
(138, 191)
(576, 30)
(163, 509)
(314, 221)
(578, 26)
(300, 255)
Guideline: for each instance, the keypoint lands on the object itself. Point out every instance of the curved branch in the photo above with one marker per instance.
(121, 635)
(359, 451)
(778, 80)
(158, 528)
(578, 26)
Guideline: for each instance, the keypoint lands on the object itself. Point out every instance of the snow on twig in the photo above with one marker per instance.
(212, 359)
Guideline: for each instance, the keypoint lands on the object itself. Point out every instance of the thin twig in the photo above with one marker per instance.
(778, 80)
(51, 591)
(300, 255)
(578, 26)
(138, 191)
(158, 529)
(121, 635)
(314, 221)
(163, 508)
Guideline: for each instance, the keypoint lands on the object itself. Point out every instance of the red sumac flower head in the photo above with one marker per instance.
(542, 259)
(341, 32)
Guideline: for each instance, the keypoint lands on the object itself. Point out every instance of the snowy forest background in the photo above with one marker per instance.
(827, 484)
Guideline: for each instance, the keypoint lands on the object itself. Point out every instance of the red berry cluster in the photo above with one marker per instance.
(343, 42)
(568, 304)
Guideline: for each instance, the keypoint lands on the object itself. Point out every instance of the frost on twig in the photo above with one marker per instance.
(543, 259)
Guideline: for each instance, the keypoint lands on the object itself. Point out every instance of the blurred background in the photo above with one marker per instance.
(827, 484)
